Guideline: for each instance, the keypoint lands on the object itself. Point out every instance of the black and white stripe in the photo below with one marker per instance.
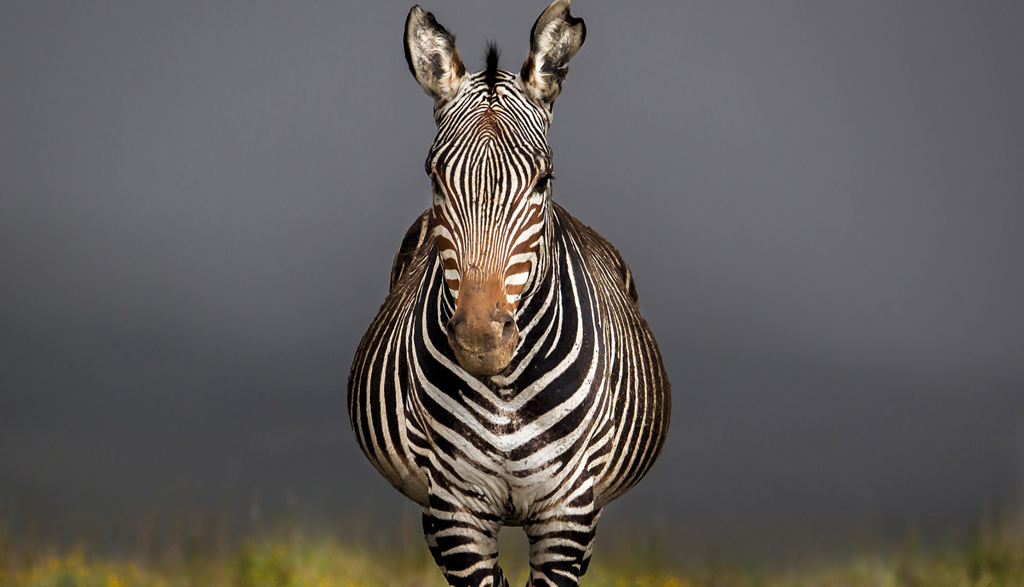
(479, 182)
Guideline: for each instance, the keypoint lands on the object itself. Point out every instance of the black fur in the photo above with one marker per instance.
(491, 73)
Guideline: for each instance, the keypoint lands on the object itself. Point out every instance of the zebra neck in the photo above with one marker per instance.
(553, 321)
(545, 283)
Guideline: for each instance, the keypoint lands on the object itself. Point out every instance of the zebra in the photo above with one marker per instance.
(508, 378)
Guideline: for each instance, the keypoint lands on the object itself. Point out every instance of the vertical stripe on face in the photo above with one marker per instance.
(490, 165)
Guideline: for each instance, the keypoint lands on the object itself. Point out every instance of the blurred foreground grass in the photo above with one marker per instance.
(993, 557)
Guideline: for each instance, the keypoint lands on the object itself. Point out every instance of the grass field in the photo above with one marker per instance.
(993, 557)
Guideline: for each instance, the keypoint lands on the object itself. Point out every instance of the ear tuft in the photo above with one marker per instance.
(431, 54)
(554, 40)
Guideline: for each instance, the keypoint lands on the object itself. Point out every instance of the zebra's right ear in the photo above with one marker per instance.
(431, 54)
(555, 38)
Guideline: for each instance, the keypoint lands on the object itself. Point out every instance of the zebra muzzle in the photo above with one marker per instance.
(483, 332)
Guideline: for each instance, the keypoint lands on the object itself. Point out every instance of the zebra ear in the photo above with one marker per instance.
(431, 54)
(554, 40)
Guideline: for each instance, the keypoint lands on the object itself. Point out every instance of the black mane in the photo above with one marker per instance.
(491, 73)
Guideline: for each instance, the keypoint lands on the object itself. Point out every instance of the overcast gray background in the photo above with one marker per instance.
(821, 203)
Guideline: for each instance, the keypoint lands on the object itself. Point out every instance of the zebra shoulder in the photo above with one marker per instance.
(603, 252)
(414, 238)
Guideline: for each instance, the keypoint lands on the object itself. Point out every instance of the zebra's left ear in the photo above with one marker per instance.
(431, 54)
(554, 40)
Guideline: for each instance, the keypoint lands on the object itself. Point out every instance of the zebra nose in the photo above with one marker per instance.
(483, 344)
(495, 330)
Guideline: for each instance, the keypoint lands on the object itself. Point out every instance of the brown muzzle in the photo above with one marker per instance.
(483, 331)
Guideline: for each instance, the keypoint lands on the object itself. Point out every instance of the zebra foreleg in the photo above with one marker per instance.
(561, 542)
(466, 550)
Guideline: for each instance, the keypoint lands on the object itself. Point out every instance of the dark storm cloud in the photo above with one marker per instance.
(820, 202)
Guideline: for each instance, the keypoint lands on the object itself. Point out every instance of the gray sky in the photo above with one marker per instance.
(821, 203)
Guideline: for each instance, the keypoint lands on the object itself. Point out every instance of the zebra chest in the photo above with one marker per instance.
(507, 447)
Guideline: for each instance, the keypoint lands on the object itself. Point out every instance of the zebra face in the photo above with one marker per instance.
(490, 167)
(490, 201)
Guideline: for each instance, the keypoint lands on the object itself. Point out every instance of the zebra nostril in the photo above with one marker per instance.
(509, 328)
(453, 324)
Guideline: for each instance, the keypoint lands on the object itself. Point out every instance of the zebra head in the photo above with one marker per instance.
(490, 166)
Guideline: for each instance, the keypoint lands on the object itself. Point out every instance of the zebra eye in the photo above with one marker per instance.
(542, 183)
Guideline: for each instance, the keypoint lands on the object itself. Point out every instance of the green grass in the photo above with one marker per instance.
(994, 557)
